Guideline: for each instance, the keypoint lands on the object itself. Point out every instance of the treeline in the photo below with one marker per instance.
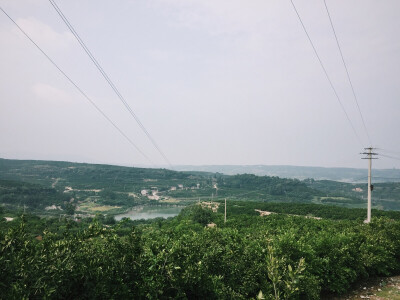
(93, 176)
(35, 196)
(281, 256)
(265, 187)
(387, 190)
(384, 195)
(313, 210)
(335, 188)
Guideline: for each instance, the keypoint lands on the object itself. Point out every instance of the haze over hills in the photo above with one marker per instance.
(300, 172)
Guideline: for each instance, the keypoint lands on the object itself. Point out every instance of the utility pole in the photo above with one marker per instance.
(370, 157)
(225, 211)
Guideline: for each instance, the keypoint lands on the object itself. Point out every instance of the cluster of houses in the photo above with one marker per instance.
(152, 193)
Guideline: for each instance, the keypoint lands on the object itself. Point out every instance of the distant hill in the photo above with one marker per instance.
(99, 188)
(106, 188)
(299, 172)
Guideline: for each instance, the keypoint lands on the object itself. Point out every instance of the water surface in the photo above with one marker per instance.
(150, 212)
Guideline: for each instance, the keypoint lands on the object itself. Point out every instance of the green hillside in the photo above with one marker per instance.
(107, 189)
(112, 189)
(384, 195)
(300, 172)
(23, 194)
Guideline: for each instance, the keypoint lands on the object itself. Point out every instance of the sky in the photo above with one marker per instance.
(213, 82)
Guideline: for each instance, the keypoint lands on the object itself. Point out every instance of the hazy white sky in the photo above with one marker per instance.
(214, 82)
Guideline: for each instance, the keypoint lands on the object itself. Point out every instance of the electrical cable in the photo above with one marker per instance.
(107, 78)
(347, 72)
(77, 87)
(389, 151)
(326, 73)
(388, 156)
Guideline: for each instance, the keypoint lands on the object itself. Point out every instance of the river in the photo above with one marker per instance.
(150, 212)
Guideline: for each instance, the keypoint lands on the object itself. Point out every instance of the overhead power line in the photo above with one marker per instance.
(107, 78)
(347, 72)
(389, 156)
(326, 73)
(77, 87)
(389, 151)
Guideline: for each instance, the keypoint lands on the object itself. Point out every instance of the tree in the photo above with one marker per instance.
(69, 209)
(202, 215)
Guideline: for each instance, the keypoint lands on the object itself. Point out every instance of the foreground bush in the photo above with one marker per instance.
(273, 257)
